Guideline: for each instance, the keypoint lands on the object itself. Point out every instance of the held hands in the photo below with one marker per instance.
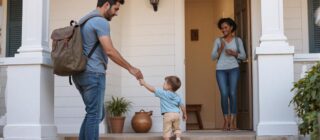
(142, 82)
(135, 72)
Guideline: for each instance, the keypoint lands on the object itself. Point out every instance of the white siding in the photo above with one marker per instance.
(148, 42)
(296, 29)
(296, 24)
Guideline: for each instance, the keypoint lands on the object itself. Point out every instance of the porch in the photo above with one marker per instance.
(191, 135)
(267, 121)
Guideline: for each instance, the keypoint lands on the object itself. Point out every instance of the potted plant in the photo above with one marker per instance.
(116, 108)
(307, 102)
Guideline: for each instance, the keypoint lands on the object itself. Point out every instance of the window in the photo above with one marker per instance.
(314, 31)
(14, 27)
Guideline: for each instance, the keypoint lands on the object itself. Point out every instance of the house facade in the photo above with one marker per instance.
(280, 38)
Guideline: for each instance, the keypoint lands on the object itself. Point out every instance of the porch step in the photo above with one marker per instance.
(189, 135)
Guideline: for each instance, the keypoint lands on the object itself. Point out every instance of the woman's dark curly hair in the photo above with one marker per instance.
(228, 21)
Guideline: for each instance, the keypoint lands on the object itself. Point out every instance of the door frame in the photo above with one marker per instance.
(255, 12)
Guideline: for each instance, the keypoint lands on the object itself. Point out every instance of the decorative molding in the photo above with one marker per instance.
(306, 57)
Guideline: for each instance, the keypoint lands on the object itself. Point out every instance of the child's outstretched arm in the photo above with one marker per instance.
(184, 115)
(147, 86)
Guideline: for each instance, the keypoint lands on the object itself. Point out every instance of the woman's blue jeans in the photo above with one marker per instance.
(228, 83)
(92, 89)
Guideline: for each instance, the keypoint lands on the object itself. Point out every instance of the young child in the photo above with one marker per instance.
(170, 104)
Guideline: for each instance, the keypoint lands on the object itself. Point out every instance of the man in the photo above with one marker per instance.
(91, 83)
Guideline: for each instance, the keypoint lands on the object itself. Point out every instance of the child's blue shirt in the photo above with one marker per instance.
(169, 101)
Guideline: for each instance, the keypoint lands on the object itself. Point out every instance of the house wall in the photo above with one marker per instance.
(145, 38)
(296, 30)
(296, 24)
(148, 41)
(3, 25)
(69, 107)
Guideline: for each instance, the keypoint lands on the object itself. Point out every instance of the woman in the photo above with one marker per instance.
(228, 50)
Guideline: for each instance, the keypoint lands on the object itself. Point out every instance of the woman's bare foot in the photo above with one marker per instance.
(233, 124)
(233, 127)
(226, 124)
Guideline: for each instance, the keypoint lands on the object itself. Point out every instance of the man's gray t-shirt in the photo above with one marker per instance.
(93, 29)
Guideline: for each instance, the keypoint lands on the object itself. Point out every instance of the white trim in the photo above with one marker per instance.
(11, 61)
(180, 45)
(277, 128)
(256, 33)
(274, 50)
(306, 57)
(305, 26)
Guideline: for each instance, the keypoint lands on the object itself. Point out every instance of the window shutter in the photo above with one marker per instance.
(14, 27)
(314, 31)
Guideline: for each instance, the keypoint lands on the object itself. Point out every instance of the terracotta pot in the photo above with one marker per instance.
(141, 121)
(116, 124)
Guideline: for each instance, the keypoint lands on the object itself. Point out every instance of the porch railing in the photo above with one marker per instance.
(302, 63)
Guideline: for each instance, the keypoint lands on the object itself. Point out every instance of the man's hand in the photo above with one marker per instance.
(135, 72)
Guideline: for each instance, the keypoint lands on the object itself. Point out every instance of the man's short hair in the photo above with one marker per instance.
(174, 82)
(111, 2)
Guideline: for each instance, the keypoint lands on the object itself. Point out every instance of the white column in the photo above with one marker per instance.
(35, 29)
(275, 74)
(30, 105)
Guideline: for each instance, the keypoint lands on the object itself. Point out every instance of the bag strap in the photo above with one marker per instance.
(221, 45)
(82, 22)
(93, 49)
(70, 81)
(237, 44)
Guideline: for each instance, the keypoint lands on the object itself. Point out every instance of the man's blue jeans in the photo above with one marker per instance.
(92, 89)
(228, 83)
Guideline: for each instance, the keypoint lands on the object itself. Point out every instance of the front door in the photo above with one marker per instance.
(201, 86)
(242, 18)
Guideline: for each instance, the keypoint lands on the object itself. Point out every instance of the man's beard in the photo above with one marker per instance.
(108, 16)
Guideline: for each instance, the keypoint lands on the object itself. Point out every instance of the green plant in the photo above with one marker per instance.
(307, 101)
(117, 106)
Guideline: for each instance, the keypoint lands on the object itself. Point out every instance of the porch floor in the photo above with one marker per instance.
(189, 135)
